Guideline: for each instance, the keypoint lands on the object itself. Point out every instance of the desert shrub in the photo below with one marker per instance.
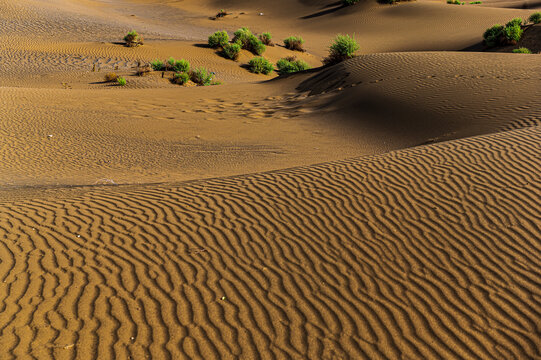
(121, 81)
(133, 39)
(342, 48)
(157, 65)
(181, 78)
(493, 35)
(514, 22)
(111, 77)
(181, 66)
(455, 2)
(266, 38)
(288, 65)
(217, 82)
(260, 65)
(218, 39)
(256, 46)
(201, 76)
(294, 43)
(232, 51)
(242, 37)
(522, 50)
(513, 33)
(349, 2)
(475, 2)
(535, 18)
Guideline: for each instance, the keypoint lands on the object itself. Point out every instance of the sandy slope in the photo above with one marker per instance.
(426, 253)
(224, 240)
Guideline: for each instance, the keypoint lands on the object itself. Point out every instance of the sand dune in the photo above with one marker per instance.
(386, 207)
(424, 253)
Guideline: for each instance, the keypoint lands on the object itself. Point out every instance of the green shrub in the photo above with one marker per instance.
(342, 48)
(181, 66)
(260, 65)
(493, 35)
(256, 46)
(157, 65)
(242, 37)
(513, 33)
(475, 2)
(294, 43)
(218, 39)
(522, 50)
(201, 76)
(121, 81)
(266, 38)
(349, 2)
(535, 18)
(514, 22)
(289, 65)
(133, 39)
(181, 78)
(232, 51)
(455, 2)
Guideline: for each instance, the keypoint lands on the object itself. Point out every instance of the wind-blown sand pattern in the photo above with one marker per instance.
(423, 253)
(387, 207)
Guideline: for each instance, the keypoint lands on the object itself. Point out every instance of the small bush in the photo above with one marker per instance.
(349, 2)
(218, 39)
(535, 18)
(342, 48)
(121, 81)
(260, 65)
(288, 65)
(455, 2)
(266, 39)
(256, 46)
(143, 70)
(232, 51)
(181, 66)
(181, 78)
(513, 33)
(242, 37)
(201, 76)
(294, 43)
(514, 22)
(475, 2)
(133, 39)
(493, 35)
(157, 65)
(522, 50)
(111, 77)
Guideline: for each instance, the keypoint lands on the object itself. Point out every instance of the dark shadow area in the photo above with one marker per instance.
(204, 46)
(325, 12)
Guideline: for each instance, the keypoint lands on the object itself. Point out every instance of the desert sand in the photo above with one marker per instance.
(386, 207)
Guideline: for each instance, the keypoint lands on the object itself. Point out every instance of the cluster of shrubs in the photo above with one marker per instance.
(114, 78)
(243, 39)
(133, 39)
(455, 2)
(182, 72)
(509, 34)
(522, 50)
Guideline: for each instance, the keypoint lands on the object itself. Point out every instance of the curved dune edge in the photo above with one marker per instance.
(431, 252)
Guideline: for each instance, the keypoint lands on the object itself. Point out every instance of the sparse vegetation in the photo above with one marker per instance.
(133, 39)
(143, 70)
(291, 65)
(522, 50)
(475, 2)
(248, 41)
(455, 2)
(260, 65)
(349, 2)
(231, 51)
(157, 65)
(535, 18)
(266, 38)
(111, 77)
(179, 66)
(121, 81)
(294, 43)
(218, 39)
(181, 78)
(342, 48)
(201, 76)
(509, 34)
